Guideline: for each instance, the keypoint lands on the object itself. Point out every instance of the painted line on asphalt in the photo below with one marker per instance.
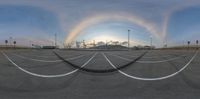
(150, 62)
(100, 71)
(153, 79)
(147, 56)
(49, 56)
(46, 76)
(48, 61)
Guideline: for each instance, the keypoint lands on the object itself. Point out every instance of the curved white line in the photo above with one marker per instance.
(44, 56)
(153, 62)
(47, 76)
(150, 62)
(149, 57)
(158, 56)
(47, 61)
(152, 79)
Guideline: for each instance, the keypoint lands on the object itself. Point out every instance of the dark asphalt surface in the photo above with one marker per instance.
(16, 84)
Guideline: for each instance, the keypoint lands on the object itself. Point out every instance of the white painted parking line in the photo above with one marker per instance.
(161, 61)
(52, 56)
(39, 60)
(150, 62)
(153, 79)
(47, 76)
(147, 56)
(48, 61)
(49, 56)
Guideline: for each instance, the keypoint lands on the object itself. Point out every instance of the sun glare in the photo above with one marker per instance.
(105, 38)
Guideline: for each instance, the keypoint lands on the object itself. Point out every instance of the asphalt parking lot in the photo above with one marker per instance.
(68, 74)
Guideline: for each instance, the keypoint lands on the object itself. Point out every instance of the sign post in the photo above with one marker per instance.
(6, 41)
(197, 42)
(188, 44)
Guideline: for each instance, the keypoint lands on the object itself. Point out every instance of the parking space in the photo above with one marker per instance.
(41, 73)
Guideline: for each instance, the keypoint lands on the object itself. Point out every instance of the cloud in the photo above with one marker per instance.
(174, 9)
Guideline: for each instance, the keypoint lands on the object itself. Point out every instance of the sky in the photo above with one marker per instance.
(172, 22)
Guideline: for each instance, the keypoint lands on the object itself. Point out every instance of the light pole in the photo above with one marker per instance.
(129, 39)
(151, 42)
(94, 44)
(55, 39)
(106, 44)
(10, 41)
(84, 45)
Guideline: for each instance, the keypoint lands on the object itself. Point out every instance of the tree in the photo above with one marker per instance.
(124, 43)
(197, 42)
(115, 42)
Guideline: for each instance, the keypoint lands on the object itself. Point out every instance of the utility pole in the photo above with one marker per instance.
(128, 39)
